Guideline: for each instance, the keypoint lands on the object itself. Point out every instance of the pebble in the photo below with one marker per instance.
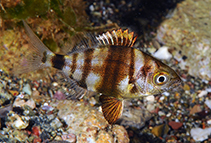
(168, 115)
(151, 108)
(91, 8)
(203, 93)
(186, 87)
(59, 95)
(209, 121)
(166, 93)
(36, 130)
(161, 113)
(19, 102)
(199, 134)
(195, 109)
(21, 136)
(175, 125)
(16, 122)
(160, 130)
(69, 137)
(120, 133)
(27, 89)
(47, 107)
(162, 98)
(150, 98)
(163, 53)
(56, 123)
(208, 89)
(208, 103)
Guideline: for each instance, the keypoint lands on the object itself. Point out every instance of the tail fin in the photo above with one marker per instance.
(39, 58)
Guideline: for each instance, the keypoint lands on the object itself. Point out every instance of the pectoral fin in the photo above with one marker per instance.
(112, 108)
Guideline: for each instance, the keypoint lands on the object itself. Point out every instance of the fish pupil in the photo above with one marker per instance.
(161, 79)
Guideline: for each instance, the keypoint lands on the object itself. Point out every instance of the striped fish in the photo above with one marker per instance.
(107, 64)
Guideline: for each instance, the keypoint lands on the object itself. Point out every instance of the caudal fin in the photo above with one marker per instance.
(38, 57)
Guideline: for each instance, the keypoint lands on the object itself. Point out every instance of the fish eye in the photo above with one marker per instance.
(160, 78)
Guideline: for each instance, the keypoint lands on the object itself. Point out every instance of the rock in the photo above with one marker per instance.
(186, 32)
(87, 123)
(19, 102)
(69, 137)
(16, 121)
(199, 134)
(195, 109)
(161, 113)
(103, 137)
(56, 123)
(134, 117)
(163, 54)
(150, 98)
(36, 130)
(27, 89)
(5, 110)
(19, 135)
(120, 134)
(202, 93)
(209, 121)
(175, 125)
(160, 130)
(151, 107)
(208, 103)
(59, 95)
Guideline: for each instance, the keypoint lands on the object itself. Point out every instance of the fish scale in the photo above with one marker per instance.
(107, 64)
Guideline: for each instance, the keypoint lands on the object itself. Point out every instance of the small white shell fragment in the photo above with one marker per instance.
(208, 103)
(19, 102)
(166, 93)
(202, 93)
(150, 98)
(199, 134)
(162, 98)
(27, 89)
(161, 113)
(209, 121)
(208, 89)
(163, 53)
(150, 107)
(168, 115)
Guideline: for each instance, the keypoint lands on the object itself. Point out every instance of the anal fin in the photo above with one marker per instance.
(112, 108)
(77, 91)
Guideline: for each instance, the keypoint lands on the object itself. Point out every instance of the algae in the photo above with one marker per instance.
(25, 9)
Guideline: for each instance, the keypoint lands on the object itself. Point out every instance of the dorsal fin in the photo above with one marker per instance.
(82, 41)
(89, 41)
(117, 38)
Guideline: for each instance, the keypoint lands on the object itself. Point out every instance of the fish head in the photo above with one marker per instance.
(155, 78)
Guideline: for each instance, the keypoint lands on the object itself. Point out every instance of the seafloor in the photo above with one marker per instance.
(33, 107)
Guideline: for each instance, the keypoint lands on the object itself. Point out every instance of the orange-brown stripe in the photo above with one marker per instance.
(74, 60)
(132, 68)
(121, 69)
(115, 69)
(88, 55)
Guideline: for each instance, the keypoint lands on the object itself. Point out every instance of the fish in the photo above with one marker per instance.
(108, 64)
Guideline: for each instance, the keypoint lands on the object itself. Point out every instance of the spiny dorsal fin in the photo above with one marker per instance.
(112, 108)
(117, 38)
(89, 41)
